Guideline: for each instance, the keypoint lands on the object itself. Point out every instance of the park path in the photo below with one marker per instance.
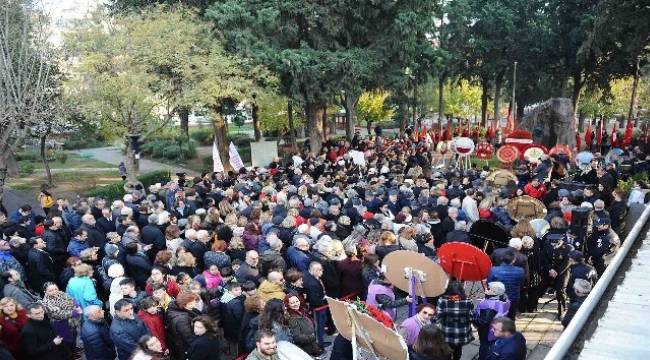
(13, 199)
(113, 155)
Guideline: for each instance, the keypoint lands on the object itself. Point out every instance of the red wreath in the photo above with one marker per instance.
(373, 311)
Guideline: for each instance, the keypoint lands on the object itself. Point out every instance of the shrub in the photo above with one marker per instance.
(172, 152)
(207, 162)
(27, 156)
(61, 157)
(240, 140)
(202, 136)
(25, 168)
(115, 190)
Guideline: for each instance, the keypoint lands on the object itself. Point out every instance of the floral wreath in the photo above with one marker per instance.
(374, 312)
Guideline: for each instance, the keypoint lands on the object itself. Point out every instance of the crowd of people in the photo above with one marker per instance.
(229, 265)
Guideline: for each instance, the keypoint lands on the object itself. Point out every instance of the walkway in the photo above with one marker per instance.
(13, 199)
(113, 155)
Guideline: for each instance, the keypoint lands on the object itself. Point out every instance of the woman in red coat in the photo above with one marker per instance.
(150, 315)
(12, 320)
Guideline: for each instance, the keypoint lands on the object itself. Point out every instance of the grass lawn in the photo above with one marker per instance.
(66, 184)
(75, 161)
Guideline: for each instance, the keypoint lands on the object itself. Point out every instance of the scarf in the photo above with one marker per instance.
(59, 306)
(211, 281)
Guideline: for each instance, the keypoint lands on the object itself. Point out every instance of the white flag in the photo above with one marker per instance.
(217, 165)
(235, 159)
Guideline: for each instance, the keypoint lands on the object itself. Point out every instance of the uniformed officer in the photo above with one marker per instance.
(601, 243)
(556, 266)
(579, 270)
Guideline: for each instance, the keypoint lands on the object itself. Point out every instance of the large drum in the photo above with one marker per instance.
(488, 236)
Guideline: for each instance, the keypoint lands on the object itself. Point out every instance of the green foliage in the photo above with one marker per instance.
(116, 190)
(628, 184)
(169, 149)
(273, 113)
(240, 140)
(373, 107)
(25, 168)
(27, 156)
(462, 99)
(61, 157)
(203, 136)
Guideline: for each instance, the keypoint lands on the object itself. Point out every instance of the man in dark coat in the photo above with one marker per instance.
(315, 293)
(510, 344)
(248, 269)
(40, 267)
(57, 244)
(152, 235)
(126, 329)
(579, 270)
(96, 335)
(39, 341)
(232, 311)
(96, 238)
(106, 223)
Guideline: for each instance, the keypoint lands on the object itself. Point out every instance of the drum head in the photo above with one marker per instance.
(541, 226)
(501, 177)
(488, 236)
(398, 261)
(526, 207)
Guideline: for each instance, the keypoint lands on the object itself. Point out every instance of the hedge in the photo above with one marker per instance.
(116, 191)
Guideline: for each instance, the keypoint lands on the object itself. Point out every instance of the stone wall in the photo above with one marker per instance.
(551, 123)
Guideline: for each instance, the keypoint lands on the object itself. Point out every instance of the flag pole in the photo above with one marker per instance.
(514, 101)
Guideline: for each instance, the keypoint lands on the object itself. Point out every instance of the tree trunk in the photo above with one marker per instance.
(581, 121)
(350, 102)
(8, 161)
(292, 128)
(315, 124)
(221, 137)
(184, 116)
(415, 103)
(485, 86)
(635, 84)
(498, 82)
(369, 127)
(132, 164)
(46, 164)
(256, 122)
(402, 114)
(441, 97)
(577, 87)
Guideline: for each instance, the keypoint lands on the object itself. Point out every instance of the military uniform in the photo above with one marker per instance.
(557, 258)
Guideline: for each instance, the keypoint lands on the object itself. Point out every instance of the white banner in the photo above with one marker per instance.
(358, 157)
(235, 159)
(217, 165)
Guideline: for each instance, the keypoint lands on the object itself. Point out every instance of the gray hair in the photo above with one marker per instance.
(90, 309)
(153, 219)
(275, 243)
(460, 225)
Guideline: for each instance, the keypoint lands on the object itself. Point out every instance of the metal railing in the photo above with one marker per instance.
(569, 335)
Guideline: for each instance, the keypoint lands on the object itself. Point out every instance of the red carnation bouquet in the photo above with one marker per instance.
(373, 311)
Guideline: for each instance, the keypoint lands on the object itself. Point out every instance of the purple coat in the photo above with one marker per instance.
(412, 328)
(500, 307)
(377, 289)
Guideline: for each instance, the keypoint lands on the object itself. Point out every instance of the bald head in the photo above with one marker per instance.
(276, 277)
(88, 219)
(252, 258)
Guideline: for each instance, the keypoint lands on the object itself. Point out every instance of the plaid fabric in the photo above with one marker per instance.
(454, 319)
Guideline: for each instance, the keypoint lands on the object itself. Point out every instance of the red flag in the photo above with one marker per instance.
(510, 124)
(629, 130)
(424, 133)
(615, 135)
(459, 128)
(467, 130)
(599, 137)
(492, 130)
(589, 134)
(448, 135)
(578, 145)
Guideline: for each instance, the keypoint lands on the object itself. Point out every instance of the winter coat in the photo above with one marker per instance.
(179, 325)
(205, 347)
(232, 313)
(350, 273)
(457, 236)
(21, 294)
(247, 332)
(512, 348)
(82, 290)
(314, 290)
(172, 287)
(282, 333)
(246, 273)
(454, 317)
(106, 225)
(297, 258)
(139, 267)
(511, 276)
(96, 237)
(11, 333)
(96, 337)
(37, 341)
(198, 250)
(302, 331)
(56, 246)
(330, 276)
(271, 260)
(151, 235)
(8, 261)
(40, 269)
(383, 250)
(75, 247)
(125, 334)
(155, 325)
(219, 258)
(268, 290)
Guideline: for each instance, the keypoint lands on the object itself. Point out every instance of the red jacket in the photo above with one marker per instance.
(11, 333)
(536, 192)
(172, 288)
(155, 325)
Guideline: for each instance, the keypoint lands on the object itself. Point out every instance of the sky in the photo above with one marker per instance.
(64, 12)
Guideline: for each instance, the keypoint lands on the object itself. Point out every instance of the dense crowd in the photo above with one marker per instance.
(228, 265)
